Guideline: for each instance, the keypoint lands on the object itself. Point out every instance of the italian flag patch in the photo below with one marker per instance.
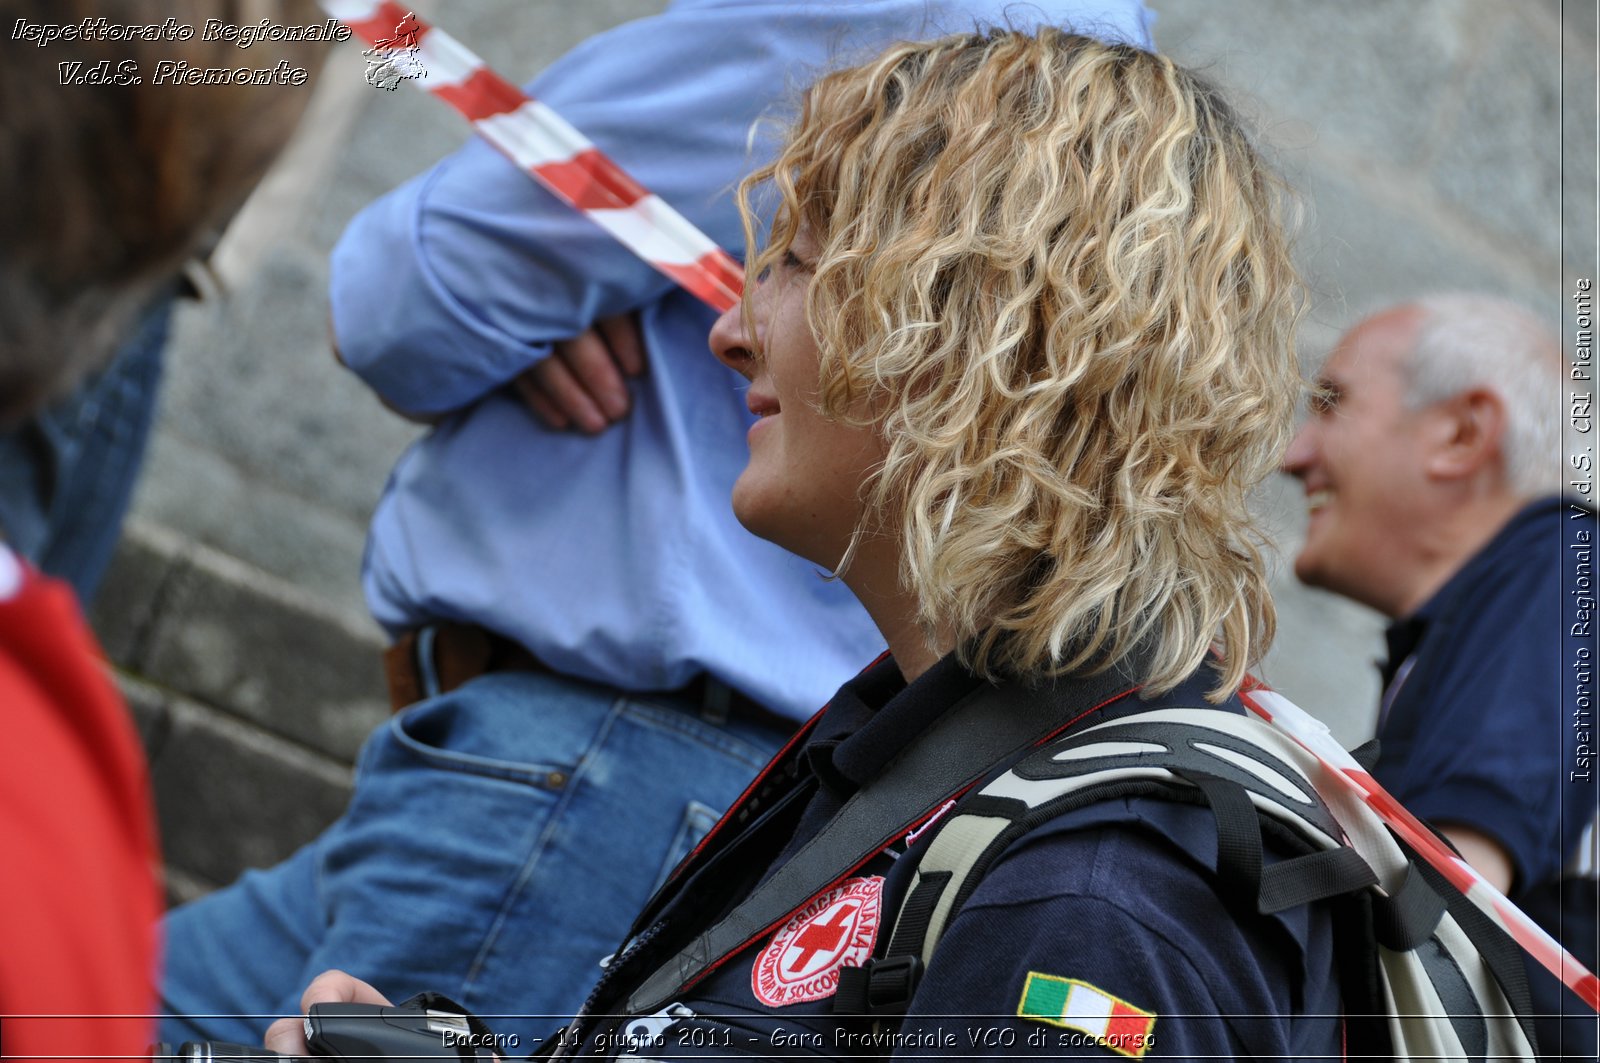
(1077, 1005)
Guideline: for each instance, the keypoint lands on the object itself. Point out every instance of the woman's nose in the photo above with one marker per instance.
(729, 341)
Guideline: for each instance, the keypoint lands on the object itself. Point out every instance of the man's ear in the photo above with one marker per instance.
(1471, 427)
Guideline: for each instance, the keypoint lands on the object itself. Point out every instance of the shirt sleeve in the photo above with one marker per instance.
(1483, 749)
(460, 279)
(1132, 955)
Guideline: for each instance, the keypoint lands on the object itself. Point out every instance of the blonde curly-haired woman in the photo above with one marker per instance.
(1020, 345)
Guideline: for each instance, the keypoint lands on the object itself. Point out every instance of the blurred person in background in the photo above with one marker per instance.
(1432, 467)
(68, 469)
(592, 657)
(107, 190)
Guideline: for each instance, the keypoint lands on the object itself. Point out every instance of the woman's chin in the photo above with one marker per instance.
(760, 509)
(748, 507)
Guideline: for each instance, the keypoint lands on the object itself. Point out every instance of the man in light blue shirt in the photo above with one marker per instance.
(603, 656)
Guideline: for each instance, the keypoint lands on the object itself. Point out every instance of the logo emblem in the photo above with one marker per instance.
(836, 929)
(395, 59)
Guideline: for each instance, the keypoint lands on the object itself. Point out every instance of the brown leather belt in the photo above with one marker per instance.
(458, 653)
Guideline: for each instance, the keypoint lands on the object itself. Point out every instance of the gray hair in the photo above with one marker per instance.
(1468, 341)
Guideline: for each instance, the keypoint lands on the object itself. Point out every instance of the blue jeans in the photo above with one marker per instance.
(67, 475)
(500, 840)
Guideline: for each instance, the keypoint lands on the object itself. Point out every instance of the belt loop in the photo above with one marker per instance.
(427, 669)
(436, 658)
(718, 700)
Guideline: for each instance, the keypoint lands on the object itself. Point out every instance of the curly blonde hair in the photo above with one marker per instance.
(1053, 275)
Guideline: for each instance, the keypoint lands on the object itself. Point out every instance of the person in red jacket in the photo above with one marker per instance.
(79, 895)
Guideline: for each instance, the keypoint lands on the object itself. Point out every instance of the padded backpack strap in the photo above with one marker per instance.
(1193, 755)
(1499, 950)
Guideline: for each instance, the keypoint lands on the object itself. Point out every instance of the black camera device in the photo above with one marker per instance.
(427, 1026)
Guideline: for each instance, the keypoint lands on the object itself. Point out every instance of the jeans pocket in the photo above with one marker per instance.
(451, 734)
(697, 820)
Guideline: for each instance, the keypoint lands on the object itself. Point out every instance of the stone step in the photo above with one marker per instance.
(252, 695)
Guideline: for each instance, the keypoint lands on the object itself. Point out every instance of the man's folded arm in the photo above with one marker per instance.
(459, 280)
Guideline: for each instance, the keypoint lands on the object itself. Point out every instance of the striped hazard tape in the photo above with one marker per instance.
(1313, 736)
(549, 149)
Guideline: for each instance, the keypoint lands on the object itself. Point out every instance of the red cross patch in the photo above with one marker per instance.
(835, 929)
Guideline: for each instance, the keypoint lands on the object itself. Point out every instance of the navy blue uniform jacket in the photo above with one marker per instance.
(1099, 933)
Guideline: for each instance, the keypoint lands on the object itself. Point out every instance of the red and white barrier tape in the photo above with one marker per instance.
(544, 145)
(1313, 736)
(550, 150)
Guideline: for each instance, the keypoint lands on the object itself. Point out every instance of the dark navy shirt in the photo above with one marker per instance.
(1483, 725)
(1107, 919)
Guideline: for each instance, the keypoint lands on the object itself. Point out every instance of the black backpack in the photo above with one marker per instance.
(1423, 972)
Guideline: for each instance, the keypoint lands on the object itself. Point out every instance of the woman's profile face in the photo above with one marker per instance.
(802, 486)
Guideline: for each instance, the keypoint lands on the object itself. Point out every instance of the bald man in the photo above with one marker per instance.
(1432, 467)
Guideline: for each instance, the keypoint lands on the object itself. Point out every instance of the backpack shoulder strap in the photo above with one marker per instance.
(1202, 756)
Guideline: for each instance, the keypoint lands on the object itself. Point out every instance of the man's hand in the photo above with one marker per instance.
(287, 1036)
(582, 383)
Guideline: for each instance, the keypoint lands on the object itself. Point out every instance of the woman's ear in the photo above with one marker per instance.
(1469, 432)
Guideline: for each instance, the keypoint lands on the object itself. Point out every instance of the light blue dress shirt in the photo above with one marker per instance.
(615, 558)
